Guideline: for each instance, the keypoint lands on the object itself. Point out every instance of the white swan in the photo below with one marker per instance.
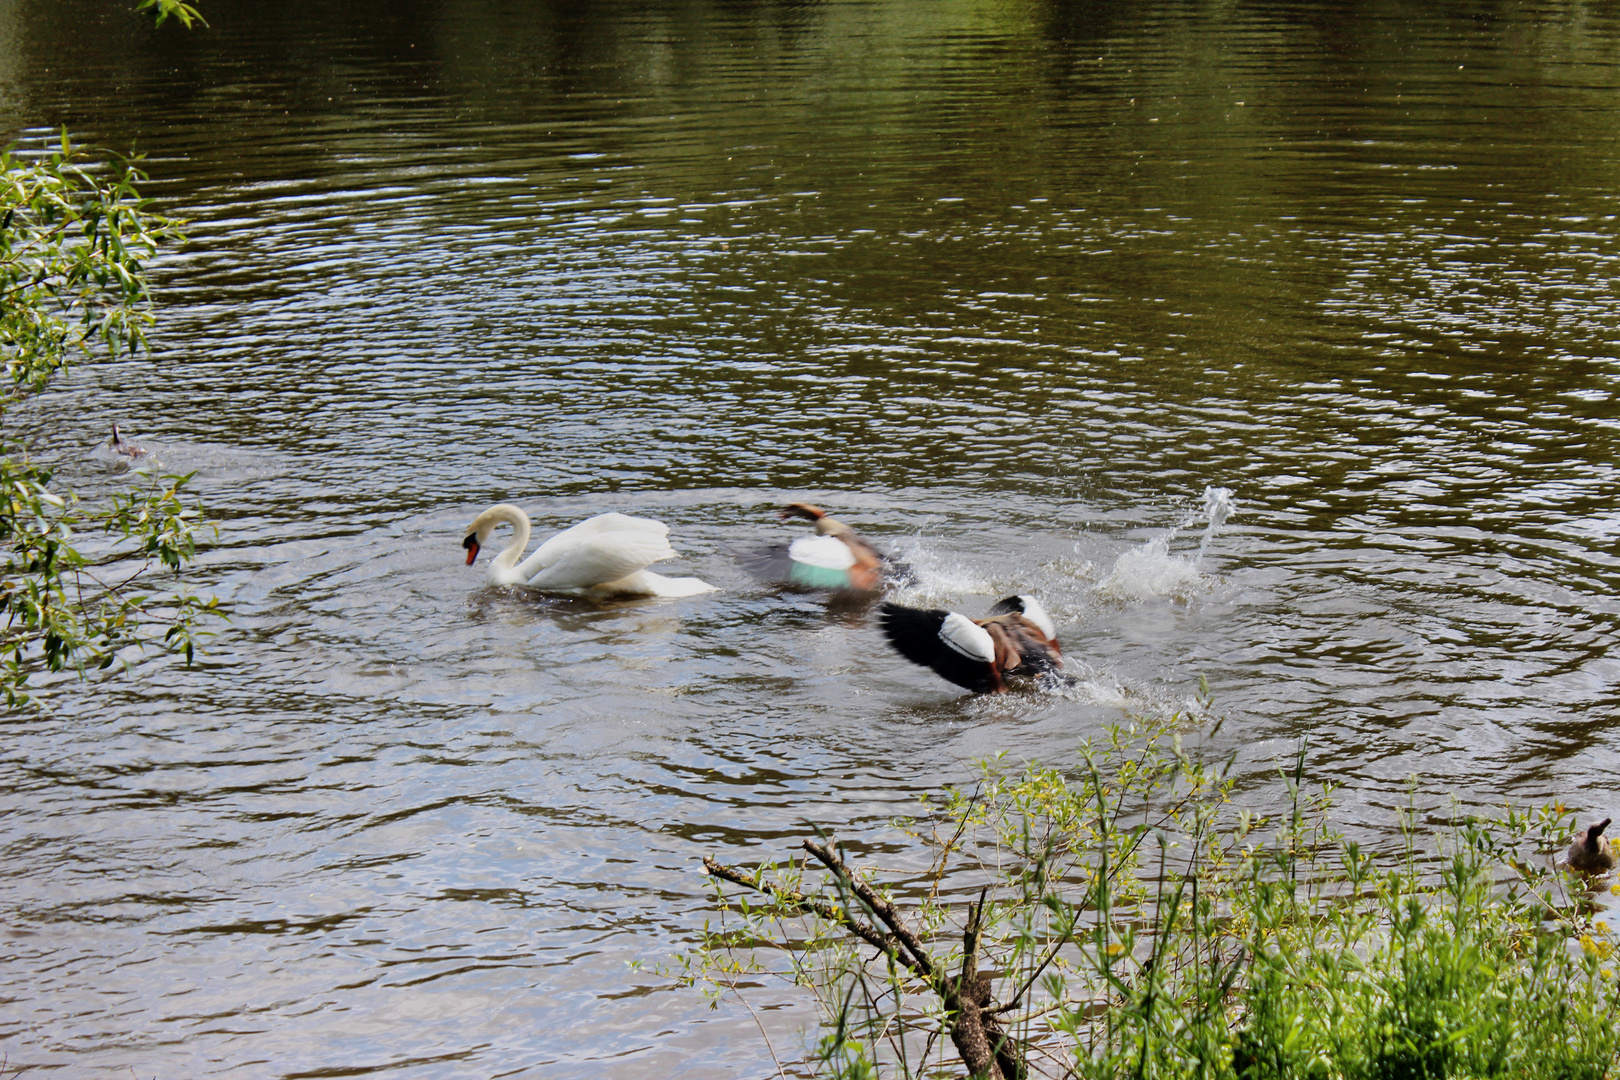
(606, 555)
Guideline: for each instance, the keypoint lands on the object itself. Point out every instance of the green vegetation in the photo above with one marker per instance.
(177, 8)
(74, 239)
(1124, 919)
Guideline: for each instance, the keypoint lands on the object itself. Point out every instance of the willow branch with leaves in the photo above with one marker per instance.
(75, 240)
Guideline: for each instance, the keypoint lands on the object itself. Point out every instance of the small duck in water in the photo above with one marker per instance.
(122, 446)
(1590, 852)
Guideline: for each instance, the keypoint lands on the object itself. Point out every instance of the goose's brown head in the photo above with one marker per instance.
(801, 510)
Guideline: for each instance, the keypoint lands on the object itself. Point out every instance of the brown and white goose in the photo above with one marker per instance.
(1017, 638)
(1590, 852)
(834, 558)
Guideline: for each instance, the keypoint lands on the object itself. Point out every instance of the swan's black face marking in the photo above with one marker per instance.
(471, 544)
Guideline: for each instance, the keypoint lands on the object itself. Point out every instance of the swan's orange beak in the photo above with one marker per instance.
(471, 544)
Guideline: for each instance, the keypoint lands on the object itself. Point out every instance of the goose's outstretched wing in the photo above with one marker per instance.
(954, 646)
(811, 562)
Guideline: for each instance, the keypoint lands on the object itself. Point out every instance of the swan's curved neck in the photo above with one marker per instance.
(503, 567)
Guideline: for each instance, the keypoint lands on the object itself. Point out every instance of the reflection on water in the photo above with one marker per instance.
(1030, 295)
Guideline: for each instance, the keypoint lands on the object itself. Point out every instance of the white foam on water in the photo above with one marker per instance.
(937, 579)
(1153, 570)
(1090, 684)
(1097, 688)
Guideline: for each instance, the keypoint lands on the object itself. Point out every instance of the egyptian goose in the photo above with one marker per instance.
(606, 555)
(1017, 638)
(1590, 852)
(834, 558)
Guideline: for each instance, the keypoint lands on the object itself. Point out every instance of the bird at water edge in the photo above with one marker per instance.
(1590, 852)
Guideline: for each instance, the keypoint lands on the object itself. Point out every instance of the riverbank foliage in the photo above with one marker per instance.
(75, 238)
(1123, 918)
(163, 10)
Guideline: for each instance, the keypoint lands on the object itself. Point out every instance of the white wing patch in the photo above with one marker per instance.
(826, 552)
(1037, 615)
(967, 637)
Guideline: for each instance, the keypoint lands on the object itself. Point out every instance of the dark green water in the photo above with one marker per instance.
(1007, 285)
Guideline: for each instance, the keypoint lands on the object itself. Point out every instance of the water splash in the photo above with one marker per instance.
(1151, 570)
(937, 577)
(1218, 507)
(1095, 684)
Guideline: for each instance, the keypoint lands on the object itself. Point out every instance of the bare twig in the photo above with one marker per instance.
(884, 943)
(937, 870)
(919, 960)
(762, 1032)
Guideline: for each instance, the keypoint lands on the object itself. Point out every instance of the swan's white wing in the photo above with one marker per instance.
(552, 550)
(647, 583)
(594, 560)
(606, 523)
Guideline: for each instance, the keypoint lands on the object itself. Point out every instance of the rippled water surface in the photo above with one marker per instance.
(1007, 285)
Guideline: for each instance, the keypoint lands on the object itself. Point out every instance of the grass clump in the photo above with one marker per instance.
(1124, 918)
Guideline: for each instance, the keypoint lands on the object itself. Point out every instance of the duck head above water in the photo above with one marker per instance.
(120, 445)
